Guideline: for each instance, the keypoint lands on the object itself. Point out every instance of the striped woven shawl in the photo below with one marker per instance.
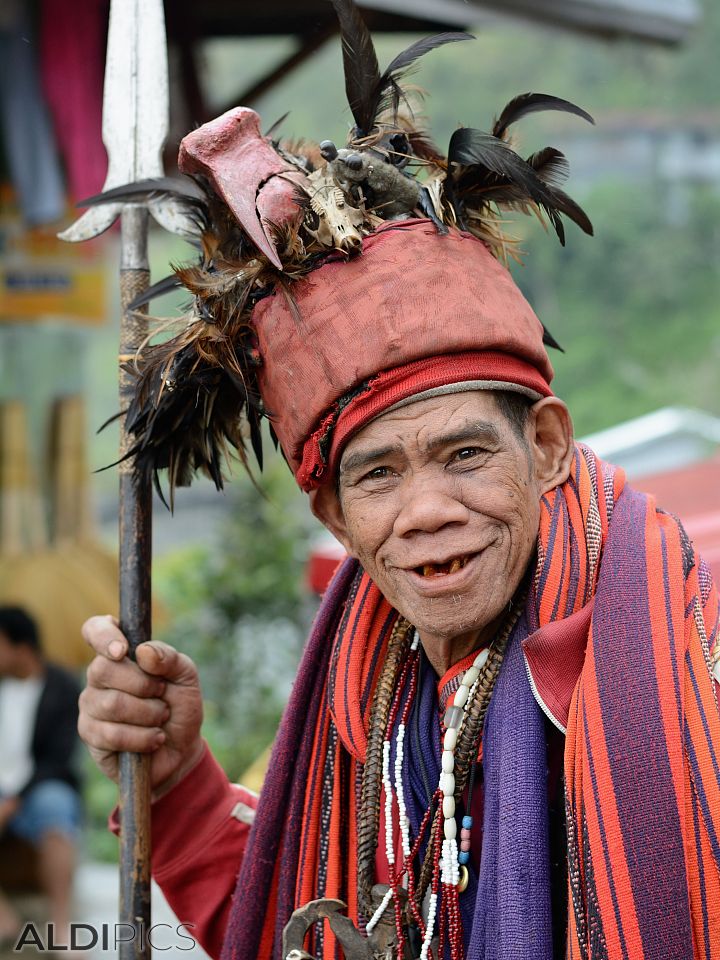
(642, 752)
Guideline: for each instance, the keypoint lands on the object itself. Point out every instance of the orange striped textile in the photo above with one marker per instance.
(642, 754)
(642, 749)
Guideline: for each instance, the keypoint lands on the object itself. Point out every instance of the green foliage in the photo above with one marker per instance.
(99, 797)
(241, 612)
(637, 308)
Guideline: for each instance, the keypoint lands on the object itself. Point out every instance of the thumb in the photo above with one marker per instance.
(162, 660)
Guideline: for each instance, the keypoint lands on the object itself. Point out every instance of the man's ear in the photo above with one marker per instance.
(325, 504)
(551, 441)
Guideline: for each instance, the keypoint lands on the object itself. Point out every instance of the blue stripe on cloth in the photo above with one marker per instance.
(701, 877)
(676, 658)
(703, 716)
(697, 780)
(625, 672)
(513, 914)
(603, 838)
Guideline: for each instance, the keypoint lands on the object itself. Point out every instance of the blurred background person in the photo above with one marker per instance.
(39, 785)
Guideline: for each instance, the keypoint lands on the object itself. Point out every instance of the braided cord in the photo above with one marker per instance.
(369, 814)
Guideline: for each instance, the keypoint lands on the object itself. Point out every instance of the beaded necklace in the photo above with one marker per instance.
(443, 874)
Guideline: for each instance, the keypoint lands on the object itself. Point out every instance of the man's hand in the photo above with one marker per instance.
(151, 706)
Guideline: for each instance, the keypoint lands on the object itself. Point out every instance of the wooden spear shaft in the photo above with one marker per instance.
(135, 598)
(135, 126)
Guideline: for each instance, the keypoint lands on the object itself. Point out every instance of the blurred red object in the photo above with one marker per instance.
(324, 559)
(692, 493)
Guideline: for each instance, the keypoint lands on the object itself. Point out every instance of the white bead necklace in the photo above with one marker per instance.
(394, 789)
(449, 861)
(453, 720)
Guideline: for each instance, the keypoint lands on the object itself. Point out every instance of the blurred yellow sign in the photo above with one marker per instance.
(42, 277)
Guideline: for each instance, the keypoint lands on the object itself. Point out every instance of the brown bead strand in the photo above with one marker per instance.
(369, 814)
(471, 732)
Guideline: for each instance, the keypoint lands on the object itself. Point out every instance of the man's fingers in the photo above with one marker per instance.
(162, 660)
(119, 707)
(124, 676)
(105, 637)
(119, 737)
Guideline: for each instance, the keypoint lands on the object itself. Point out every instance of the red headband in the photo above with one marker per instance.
(415, 311)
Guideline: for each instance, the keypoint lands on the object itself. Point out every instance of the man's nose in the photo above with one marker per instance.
(427, 508)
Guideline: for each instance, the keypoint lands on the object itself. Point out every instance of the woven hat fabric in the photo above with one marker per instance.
(412, 294)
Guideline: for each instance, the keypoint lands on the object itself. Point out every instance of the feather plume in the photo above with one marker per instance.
(182, 187)
(362, 73)
(389, 93)
(550, 341)
(368, 91)
(197, 398)
(163, 286)
(550, 165)
(484, 169)
(526, 103)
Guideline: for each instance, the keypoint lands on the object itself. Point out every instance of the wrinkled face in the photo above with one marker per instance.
(439, 501)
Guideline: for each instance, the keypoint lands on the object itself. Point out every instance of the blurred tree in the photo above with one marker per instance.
(637, 308)
(240, 610)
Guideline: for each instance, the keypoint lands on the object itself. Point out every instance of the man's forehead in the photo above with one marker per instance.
(428, 423)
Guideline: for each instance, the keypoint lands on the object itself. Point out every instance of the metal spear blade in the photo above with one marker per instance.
(135, 106)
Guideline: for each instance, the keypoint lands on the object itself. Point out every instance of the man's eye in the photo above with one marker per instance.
(467, 453)
(377, 473)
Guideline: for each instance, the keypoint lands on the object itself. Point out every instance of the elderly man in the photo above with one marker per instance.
(502, 740)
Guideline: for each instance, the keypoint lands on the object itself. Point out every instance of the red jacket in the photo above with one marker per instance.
(201, 826)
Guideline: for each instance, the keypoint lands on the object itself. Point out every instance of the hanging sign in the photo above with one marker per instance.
(43, 278)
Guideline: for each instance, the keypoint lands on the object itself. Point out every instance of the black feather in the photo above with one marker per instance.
(572, 210)
(469, 147)
(362, 73)
(388, 90)
(278, 123)
(255, 436)
(182, 187)
(527, 103)
(368, 92)
(550, 165)
(490, 171)
(425, 205)
(163, 286)
(550, 341)
(418, 49)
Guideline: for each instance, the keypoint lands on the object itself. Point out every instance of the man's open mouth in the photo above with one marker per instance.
(443, 569)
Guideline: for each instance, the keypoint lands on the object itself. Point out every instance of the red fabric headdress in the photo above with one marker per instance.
(414, 312)
(333, 283)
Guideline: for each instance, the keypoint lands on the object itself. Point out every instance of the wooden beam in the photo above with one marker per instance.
(307, 45)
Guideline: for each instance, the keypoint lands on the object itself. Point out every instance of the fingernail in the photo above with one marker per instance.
(159, 652)
(160, 738)
(116, 649)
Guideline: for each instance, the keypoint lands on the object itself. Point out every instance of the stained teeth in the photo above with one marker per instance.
(443, 569)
